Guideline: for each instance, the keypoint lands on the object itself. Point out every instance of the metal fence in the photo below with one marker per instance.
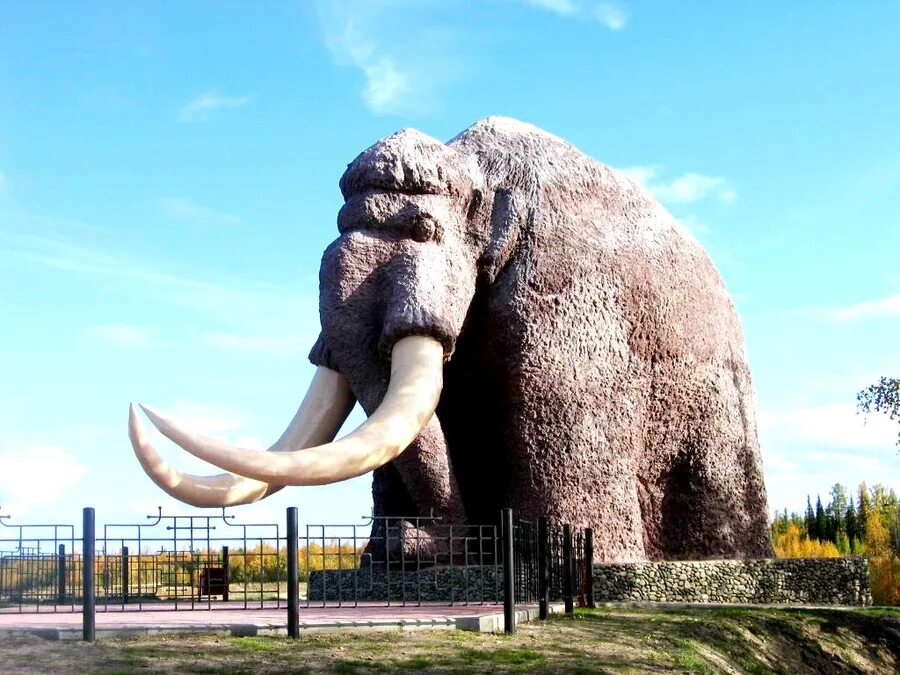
(171, 562)
(165, 563)
(404, 561)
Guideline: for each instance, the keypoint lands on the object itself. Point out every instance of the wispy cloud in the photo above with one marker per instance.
(122, 335)
(833, 426)
(406, 62)
(870, 309)
(695, 226)
(32, 476)
(187, 211)
(202, 107)
(807, 449)
(684, 189)
(611, 14)
(564, 7)
(244, 303)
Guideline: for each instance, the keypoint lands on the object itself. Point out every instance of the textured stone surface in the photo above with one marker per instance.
(596, 370)
(472, 584)
(812, 581)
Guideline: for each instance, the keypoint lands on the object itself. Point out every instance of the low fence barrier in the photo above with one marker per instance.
(171, 563)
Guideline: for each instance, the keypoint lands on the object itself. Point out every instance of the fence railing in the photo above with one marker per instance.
(211, 561)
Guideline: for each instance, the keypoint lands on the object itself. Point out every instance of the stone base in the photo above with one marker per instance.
(471, 584)
(806, 581)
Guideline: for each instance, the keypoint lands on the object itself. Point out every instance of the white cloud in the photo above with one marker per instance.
(387, 86)
(407, 56)
(237, 302)
(684, 189)
(186, 211)
(807, 450)
(870, 309)
(36, 476)
(611, 15)
(836, 426)
(406, 62)
(564, 7)
(695, 226)
(122, 335)
(201, 107)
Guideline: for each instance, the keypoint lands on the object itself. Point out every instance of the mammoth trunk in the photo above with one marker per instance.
(363, 317)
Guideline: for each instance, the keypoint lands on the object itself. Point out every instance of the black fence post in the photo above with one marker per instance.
(61, 576)
(125, 575)
(225, 573)
(293, 581)
(568, 581)
(543, 569)
(589, 565)
(87, 575)
(509, 578)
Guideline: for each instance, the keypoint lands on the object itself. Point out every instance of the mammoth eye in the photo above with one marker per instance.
(424, 228)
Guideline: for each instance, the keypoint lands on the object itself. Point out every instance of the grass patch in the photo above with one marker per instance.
(696, 640)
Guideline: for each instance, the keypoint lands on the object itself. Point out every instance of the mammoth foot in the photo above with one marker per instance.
(400, 544)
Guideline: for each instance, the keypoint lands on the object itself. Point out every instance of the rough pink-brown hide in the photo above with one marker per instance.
(596, 370)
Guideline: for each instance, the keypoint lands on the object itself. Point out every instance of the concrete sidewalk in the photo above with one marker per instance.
(66, 625)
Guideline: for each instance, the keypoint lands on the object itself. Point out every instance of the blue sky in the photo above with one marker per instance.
(168, 181)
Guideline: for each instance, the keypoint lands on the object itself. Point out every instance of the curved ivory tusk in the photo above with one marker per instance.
(326, 405)
(410, 401)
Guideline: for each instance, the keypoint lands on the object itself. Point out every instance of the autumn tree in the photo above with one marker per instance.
(837, 512)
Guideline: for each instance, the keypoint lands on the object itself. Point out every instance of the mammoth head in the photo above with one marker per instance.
(394, 290)
(405, 261)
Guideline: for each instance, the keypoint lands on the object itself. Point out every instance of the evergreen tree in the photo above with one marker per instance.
(864, 508)
(851, 522)
(821, 524)
(809, 520)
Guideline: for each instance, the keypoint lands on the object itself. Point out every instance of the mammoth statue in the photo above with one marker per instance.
(524, 327)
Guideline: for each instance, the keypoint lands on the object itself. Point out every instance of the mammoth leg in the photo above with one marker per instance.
(428, 477)
(712, 501)
(419, 484)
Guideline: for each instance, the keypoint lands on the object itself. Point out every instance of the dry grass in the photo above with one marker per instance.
(701, 640)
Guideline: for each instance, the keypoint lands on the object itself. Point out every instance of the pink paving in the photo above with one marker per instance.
(66, 624)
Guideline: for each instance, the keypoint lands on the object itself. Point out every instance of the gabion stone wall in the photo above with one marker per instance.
(476, 583)
(813, 581)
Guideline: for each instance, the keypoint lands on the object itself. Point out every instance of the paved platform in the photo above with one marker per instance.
(124, 621)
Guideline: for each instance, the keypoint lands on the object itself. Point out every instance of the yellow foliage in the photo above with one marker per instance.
(884, 567)
(266, 563)
(791, 544)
